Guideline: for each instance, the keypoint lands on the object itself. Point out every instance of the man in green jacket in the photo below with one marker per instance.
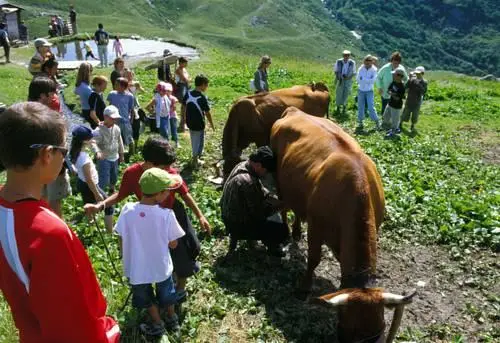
(384, 77)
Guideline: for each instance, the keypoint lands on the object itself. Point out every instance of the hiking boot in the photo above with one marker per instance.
(172, 324)
(153, 329)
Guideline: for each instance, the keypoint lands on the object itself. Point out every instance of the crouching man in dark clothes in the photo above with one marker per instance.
(247, 205)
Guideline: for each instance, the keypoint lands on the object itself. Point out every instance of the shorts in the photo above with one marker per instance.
(143, 296)
(59, 189)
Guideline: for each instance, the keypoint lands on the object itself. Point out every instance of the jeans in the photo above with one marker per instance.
(197, 142)
(108, 173)
(173, 128)
(164, 127)
(126, 131)
(385, 102)
(366, 98)
(103, 55)
(143, 296)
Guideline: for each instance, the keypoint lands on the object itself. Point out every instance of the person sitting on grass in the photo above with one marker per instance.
(158, 153)
(88, 178)
(43, 90)
(46, 276)
(392, 113)
(124, 101)
(96, 101)
(197, 108)
(417, 88)
(108, 146)
(147, 231)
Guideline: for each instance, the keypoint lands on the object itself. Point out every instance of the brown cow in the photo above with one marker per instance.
(325, 178)
(251, 118)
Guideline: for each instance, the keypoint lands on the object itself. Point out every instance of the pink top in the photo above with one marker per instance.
(173, 103)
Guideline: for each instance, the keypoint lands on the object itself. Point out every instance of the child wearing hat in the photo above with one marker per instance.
(108, 146)
(88, 178)
(417, 88)
(392, 113)
(147, 231)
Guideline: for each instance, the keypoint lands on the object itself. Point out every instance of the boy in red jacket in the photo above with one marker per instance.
(45, 273)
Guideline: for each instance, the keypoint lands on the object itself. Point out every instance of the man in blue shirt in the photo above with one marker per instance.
(101, 38)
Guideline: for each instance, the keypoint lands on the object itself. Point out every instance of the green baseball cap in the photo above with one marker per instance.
(156, 180)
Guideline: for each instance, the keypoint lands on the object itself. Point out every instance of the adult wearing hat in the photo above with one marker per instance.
(247, 205)
(162, 66)
(42, 54)
(384, 77)
(344, 69)
(260, 81)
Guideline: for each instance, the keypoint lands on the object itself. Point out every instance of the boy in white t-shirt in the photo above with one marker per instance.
(147, 231)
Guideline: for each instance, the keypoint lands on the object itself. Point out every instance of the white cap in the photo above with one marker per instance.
(112, 112)
(419, 70)
(169, 87)
(346, 52)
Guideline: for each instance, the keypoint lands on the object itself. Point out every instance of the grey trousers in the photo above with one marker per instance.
(342, 92)
(392, 117)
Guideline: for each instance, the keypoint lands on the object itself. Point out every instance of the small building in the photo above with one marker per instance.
(11, 15)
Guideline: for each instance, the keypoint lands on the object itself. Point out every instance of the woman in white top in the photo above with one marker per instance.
(367, 74)
(88, 179)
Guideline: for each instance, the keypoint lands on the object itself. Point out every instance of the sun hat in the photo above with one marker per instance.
(419, 70)
(169, 87)
(82, 132)
(112, 112)
(346, 52)
(161, 86)
(265, 156)
(166, 53)
(368, 58)
(156, 180)
(42, 42)
(398, 71)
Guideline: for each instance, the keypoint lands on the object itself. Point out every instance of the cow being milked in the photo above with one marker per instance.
(327, 180)
(251, 118)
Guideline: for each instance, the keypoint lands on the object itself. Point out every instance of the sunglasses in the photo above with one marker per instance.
(61, 149)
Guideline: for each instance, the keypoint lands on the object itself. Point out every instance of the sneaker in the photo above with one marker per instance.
(153, 329)
(172, 323)
(398, 130)
(389, 134)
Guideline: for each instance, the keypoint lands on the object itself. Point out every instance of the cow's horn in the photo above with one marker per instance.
(396, 299)
(338, 300)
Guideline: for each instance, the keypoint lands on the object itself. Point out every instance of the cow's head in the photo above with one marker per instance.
(319, 86)
(361, 313)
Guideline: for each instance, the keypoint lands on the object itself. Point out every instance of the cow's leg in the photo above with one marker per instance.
(296, 229)
(313, 259)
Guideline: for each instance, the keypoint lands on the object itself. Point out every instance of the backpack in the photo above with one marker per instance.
(102, 38)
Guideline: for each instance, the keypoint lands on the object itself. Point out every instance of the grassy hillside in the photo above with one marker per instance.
(287, 28)
(459, 35)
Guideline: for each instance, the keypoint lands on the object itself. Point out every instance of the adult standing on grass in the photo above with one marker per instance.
(366, 76)
(101, 38)
(23, 32)
(4, 42)
(182, 81)
(162, 66)
(119, 67)
(384, 77)
(344, 69)
(72, 19)
(45, 273)
(260, 81)
(159, 154)
(83, 89)
(42, 54)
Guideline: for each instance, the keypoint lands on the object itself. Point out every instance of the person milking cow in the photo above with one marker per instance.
(344, 69)
(248, 207)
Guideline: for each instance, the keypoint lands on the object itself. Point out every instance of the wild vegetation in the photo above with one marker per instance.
(441, 229)
(444, 34)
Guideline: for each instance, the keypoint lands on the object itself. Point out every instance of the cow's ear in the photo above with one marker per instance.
(335, 299)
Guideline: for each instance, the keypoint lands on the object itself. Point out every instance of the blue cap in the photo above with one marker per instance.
(82, 132)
